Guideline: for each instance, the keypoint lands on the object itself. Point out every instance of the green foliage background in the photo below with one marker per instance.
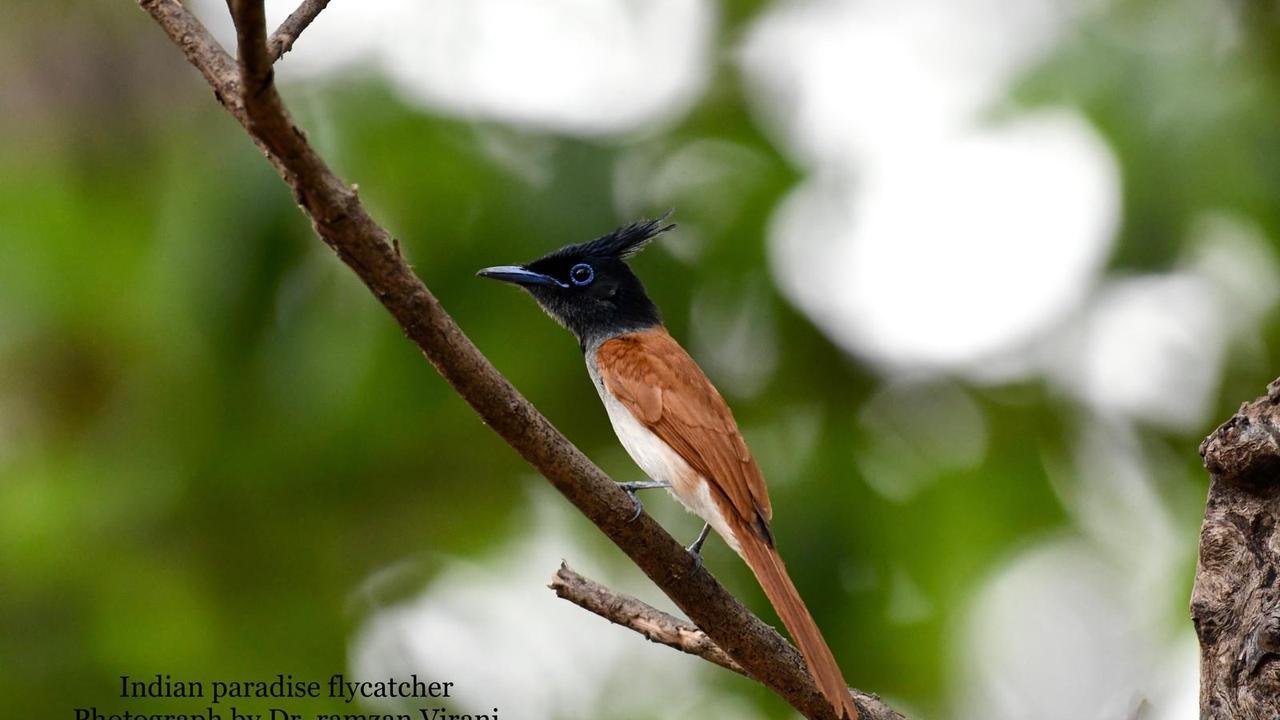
(211, 434)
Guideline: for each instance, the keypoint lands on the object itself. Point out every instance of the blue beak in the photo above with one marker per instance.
(520, 276)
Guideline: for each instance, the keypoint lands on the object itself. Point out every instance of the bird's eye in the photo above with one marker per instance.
(581, 274)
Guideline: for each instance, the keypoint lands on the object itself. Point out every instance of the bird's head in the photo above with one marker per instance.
(588, 287)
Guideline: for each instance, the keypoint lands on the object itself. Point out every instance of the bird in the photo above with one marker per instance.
(670, 419)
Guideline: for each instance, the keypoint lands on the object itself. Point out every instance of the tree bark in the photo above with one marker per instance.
(1235, 603)
(664, 629)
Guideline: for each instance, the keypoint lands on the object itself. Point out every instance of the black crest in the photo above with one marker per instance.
(621, 243)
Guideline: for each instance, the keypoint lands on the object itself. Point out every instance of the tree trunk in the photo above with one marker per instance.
(1236, 600)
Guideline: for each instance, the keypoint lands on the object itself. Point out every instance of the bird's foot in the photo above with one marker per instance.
(697, 560)
(695, 547)
(633, 487)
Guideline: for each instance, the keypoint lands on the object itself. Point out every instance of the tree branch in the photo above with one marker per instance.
(283, 38)
(1235, 602)
(342, 222)
(649, 621)
(665, 629)
(672, 632)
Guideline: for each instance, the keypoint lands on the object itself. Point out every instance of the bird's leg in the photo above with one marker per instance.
(695, 547)
(633, 487)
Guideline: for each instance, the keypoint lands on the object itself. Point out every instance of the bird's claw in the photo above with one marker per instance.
(632, 488)
(697, 558)
(635, 500)
(695, 547)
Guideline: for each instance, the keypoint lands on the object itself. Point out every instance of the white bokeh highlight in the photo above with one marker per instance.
(1058, 635)
(1149, 349)
(957, 252)
(926, 235)
(1077, 625)
(1152, 348)
(511, 643)
(584, 67)
(847, 83)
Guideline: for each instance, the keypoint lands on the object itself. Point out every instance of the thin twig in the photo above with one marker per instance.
(666, 629)
(283, 38)
(343, 223)
(637, 615)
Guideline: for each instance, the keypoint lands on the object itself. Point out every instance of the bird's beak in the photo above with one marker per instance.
(518, 275)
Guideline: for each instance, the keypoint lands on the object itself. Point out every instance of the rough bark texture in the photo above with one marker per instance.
(1236, 600)
(247, 91)
(282, 39)
(673, 632)
(629, 612)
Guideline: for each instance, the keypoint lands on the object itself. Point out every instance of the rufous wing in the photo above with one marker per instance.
(654, 378)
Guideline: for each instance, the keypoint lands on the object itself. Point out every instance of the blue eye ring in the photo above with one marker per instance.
(581, 274)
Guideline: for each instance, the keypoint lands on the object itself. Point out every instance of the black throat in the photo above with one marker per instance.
(614, 304)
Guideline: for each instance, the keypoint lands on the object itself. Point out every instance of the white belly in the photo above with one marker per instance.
(663, 464)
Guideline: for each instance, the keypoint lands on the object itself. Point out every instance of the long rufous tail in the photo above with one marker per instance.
(764, 561)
